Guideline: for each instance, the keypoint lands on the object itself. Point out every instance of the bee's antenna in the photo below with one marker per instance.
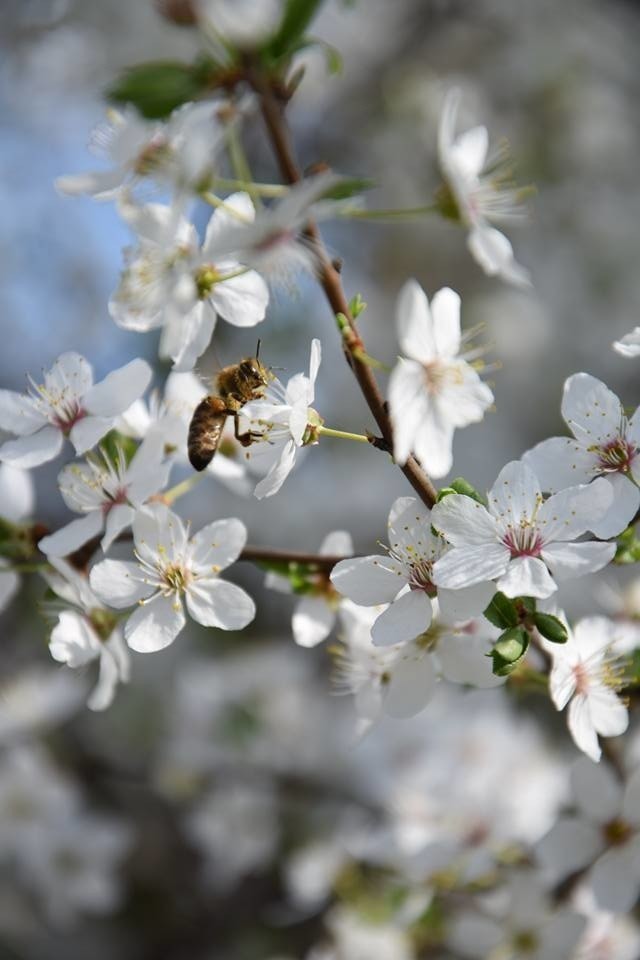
(258, 349)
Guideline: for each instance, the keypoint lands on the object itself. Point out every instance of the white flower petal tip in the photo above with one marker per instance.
(629, 345)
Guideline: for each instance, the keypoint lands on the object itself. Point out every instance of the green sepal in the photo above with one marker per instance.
(526, 604)
(347, 187)
(155, 89)
(463, 488)
(551, 628)
(298, 15)
(502, 612)
(508, 650)
(115, 442)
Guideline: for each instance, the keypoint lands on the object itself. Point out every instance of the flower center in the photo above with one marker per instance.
(525, 941)
(523, 541)
(152, 157)
(176, 577)
(616, 456)
(616, 832)
(437, 375)
(205, 279)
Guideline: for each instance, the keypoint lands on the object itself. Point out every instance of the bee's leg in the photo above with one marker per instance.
(246, 438)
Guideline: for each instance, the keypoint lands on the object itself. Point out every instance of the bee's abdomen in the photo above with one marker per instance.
(205, 431)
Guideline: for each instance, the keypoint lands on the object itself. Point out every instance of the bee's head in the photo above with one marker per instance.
(254, 372)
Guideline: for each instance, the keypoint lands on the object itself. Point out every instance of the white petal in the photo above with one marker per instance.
(597, 791)
(433, 441)
(217, 545)
(31, 451)
(73, 535)
(19, 414)
(315, 359)
(570, 844)
(568, 560)
(73, 641)
(103, 693)
(470, 151)
(445, 310)
(70, 375)
(412, 685)
(460, 605)
(368, 580)
(629, 345)
(241, 301)
(157, 531)
(561, 462)
(615, 881)
(217, 603)
(406, 618)
(466, 566)
(278, 472)
(337, 543)
(100, 184)
(624, 506)
(560, 935)
(9, 583)
(581, 727)
(17, 493)
(119, 584)
(609, 715)
(86, 432)
(406, 401)
(464, 521)
(414, 323)
(463, 659)
(515, 495)
(527, 577)
(494, 253)
(118, 519)
(570, 513)
(222, 218)
(592, 412)
(118, 390)
(155, 625)
(312, 621)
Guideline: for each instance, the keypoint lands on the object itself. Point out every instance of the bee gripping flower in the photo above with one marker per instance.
(67, 404)
(521, 541)
(171, 566)
(433, 390)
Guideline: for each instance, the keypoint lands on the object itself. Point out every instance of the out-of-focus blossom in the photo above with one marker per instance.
(244, 24)
(629, 345)
(17, 500)
(67, 404)
(37, 698)
(605, 832)
(521, 540)
(433, 390)
(479, 194)
(606, 444)
(172, 566)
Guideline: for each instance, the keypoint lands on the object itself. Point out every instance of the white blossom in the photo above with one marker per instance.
(245, 24)
(404, 578)
(170, 566)
(605, 832)
(521, 541)
(174, 282)
(433, 389)
(281, 419)
(180, 152)
(67, 404)
(583, 675)
(605, 444)
(85, 631)
(315, 612)
(17, 500)
(107, 492)
(629, 345)
(479, 194)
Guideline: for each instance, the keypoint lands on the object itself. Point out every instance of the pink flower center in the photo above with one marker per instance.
(67, 415)
(275, 239)
(436, 376)
(616, 456)
(420, 577)
(581, 678)
(523, 541)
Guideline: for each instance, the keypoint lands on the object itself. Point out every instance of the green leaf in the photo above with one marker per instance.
(114, 444)
(551, 628)
(502, 612)
(347, 187)
(155, 89)
(508, 650)
(628, 550)
(298, 15)
(357, 306)
(460, 485)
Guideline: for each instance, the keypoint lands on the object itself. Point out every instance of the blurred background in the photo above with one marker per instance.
(212, 801)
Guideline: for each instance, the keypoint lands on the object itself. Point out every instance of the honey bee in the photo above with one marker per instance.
(237, 384)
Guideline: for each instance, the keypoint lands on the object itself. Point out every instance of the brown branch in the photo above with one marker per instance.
(266, 554)
(272, 104)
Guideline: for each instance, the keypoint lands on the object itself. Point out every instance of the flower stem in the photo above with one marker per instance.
(341, 434)
(219, 204)
(240, 164)
(401, 213)
(260, 189)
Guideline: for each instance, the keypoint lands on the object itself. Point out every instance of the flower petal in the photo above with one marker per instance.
(33, 450)
(17, 493)
(581, 727)
(461, 605)
(590, 409)
(217, 545)
(155, 625)
(73, 641)
(570, 513)
(241, 301)
(561, 462)
(570, 845)
(414, 323)
(527, 577)
(73, 535)
(278, 472)
(406, 618)
(466, 566)
(118, 519)
(19, 414)
(493, 251)
(412, 684)
(568, 560)
(368, 580)
(445, 311)
(118, 390)
(515, 495)
(464, 521)
(614, 879)
(119, 584)
(629, 345)
(337, 543)
(312, 621)
(217, 603)
(624, 506)
(86, 432)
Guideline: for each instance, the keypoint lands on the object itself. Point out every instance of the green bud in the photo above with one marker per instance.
(512, 645)
(551, 628)
(502, 612)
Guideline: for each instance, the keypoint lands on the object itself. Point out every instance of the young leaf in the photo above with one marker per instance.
(501, 612)
(551, 628)
(156, 89)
